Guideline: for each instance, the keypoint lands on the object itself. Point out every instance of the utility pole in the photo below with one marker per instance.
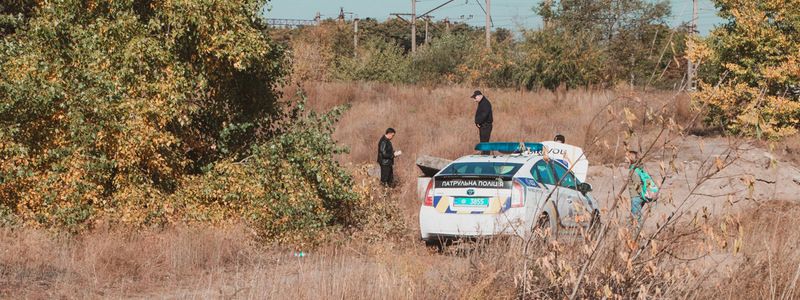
(690, 66)
(427, 40)
(447, 25)
(355, 37)
(488, 22)
(413, 26)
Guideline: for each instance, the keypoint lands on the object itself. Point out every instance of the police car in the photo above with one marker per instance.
(524, 187)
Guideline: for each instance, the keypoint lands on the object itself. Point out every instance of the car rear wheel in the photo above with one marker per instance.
(434, 243)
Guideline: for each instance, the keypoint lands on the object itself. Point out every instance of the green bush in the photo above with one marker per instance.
(290, 189)
(7, 216)
(552, 57)
(439, 61)
(376, 60)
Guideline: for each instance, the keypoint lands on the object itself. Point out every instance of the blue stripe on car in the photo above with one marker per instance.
(436, 200)
(528, 182)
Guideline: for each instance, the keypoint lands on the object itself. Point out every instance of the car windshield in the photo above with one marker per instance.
(482, 168)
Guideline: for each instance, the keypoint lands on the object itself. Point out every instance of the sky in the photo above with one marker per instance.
(505, 13)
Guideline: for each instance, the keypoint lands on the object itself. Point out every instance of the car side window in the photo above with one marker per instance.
(542, 173)
(567, 179)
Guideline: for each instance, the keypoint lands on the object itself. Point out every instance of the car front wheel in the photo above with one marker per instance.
(547, 223)
(596, 222)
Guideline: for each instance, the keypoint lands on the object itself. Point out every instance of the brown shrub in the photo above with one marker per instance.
(311, 54)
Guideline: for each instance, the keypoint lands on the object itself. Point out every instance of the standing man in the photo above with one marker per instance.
(386, 155)
(483, 117)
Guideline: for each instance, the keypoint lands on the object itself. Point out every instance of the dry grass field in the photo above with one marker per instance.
(746, 249)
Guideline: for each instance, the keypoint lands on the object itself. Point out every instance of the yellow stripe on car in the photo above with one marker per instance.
(494, 206)
(444, 202)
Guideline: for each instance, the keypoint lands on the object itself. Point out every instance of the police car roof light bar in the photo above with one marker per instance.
(508, 147)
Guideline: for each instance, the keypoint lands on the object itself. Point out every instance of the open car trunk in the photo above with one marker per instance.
(429, 165)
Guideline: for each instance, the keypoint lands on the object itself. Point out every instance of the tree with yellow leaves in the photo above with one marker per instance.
(751, 70)
(147, 112)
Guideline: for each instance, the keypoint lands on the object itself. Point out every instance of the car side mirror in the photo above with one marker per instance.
(584, 187)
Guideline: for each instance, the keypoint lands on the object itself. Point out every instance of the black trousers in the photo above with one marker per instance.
(485, 133)
(386, 174)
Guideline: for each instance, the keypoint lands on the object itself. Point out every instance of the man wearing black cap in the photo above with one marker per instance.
(483, 117)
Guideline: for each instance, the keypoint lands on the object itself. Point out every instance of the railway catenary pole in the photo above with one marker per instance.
(690, 65)
(355, 37)
(413, 26)
(414, 18)
(427, 39)
(488, 22)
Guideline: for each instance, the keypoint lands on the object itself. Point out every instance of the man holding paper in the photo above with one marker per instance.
(386, 155)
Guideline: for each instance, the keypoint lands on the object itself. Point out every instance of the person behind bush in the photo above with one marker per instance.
(641, 187)
(483, 117)
(560, 138)
(386, 155)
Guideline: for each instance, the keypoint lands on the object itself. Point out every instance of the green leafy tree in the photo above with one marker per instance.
(398, 32)
(551, 58)
(631, 37)
(395, 31)
(490, 67)
(439, 61)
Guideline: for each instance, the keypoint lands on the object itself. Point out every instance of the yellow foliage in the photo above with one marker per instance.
(757, 55)
(697, 50)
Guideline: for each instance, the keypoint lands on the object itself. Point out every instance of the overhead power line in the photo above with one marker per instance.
(484, 11)
(413, 20)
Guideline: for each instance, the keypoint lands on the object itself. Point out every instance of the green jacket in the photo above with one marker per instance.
(639, 182)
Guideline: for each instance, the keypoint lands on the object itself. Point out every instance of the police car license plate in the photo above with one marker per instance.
(480, 202)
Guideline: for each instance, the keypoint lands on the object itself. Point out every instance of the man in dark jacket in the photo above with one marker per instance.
(386, 155)
(483, 117)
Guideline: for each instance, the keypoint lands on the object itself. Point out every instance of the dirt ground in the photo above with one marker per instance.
(754, 175)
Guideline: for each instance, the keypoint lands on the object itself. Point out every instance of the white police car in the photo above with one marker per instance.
(530, 185)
